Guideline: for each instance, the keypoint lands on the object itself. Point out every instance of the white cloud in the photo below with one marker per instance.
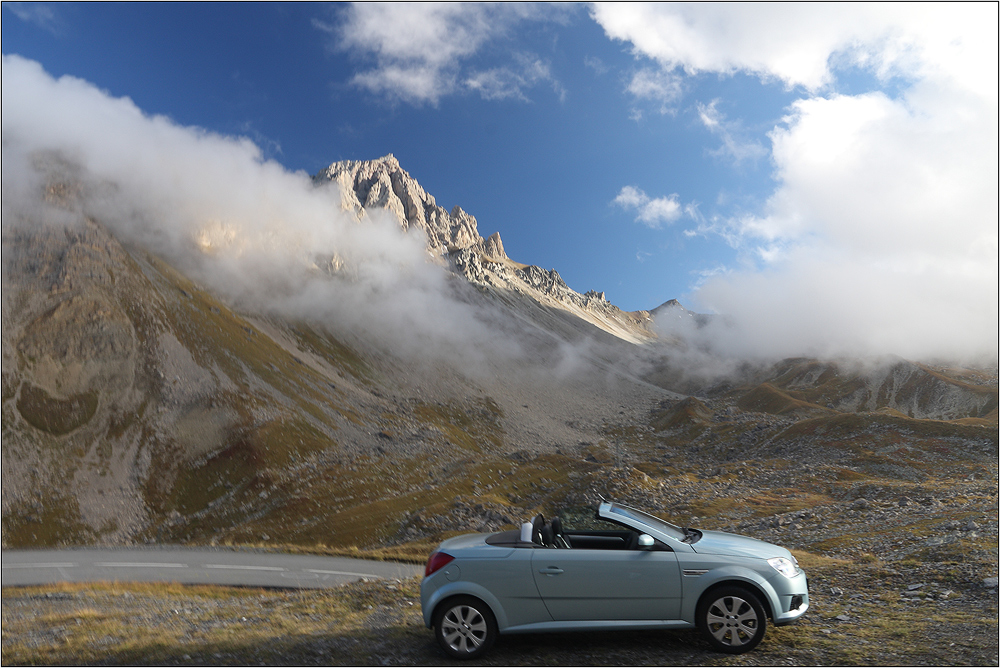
(880, 176)
(729, 132)
(663, 87)
(796, 43)
(881, 233)
(651, 212)
(422, 50)
(503, 82)
(768, 39)
(596, 64)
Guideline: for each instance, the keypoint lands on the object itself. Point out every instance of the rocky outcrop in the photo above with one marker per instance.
(915, 390)
(547, 288)
(494, 248)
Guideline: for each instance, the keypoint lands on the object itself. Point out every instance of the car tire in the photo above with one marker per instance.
(732, 619)
(465, 627)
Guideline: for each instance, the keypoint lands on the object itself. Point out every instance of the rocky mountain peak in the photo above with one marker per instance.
(453, 236)
(673, 311)
(383, 184)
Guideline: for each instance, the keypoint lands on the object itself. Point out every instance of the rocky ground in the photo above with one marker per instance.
(898, 575)
(861, 614)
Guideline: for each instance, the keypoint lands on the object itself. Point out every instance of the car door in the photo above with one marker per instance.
(588, 584)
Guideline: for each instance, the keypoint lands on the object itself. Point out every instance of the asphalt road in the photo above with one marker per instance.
(192, 566)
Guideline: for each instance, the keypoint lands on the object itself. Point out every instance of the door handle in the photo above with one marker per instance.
(550, 570)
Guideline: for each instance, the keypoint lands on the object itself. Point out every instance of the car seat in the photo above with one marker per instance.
(559, 540)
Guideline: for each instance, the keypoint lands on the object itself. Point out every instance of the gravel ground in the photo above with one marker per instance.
(862, 612)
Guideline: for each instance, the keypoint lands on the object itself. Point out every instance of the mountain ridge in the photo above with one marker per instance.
(453, 239)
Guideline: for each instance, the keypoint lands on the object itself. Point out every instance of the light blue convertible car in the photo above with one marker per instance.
(622, 569)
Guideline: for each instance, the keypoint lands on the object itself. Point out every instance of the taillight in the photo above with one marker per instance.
(436, 562)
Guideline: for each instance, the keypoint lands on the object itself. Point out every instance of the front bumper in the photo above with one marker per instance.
(793, 600)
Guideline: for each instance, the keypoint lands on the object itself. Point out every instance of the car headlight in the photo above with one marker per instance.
(786, 567)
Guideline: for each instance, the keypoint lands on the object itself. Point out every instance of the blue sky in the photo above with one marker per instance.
(796, 164)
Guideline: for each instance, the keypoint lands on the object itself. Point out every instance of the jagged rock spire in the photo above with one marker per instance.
(383, 184)
(494, 248)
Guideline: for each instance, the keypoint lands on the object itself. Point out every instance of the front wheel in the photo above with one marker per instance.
(732, 619)
(465, 627)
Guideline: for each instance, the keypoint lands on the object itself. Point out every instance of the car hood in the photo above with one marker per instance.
(734, 545)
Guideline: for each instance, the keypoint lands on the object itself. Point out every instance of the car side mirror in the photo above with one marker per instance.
(646, 542)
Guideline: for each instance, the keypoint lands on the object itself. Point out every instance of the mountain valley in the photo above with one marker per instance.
(143, 406)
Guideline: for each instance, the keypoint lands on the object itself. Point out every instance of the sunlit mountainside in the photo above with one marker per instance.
(140, 405)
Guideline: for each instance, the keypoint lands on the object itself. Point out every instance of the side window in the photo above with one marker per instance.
(583, 530)
(583, 519)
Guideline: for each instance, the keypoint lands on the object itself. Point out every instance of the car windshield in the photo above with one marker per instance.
(652, 522)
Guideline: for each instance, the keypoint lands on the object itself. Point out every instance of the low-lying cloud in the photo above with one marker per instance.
(263, 236)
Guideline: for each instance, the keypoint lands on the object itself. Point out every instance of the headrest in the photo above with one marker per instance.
(547, 536)
(536, 529)
(526, 532)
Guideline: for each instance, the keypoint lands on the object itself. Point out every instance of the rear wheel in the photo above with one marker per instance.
(732, 619)
(465, 627)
